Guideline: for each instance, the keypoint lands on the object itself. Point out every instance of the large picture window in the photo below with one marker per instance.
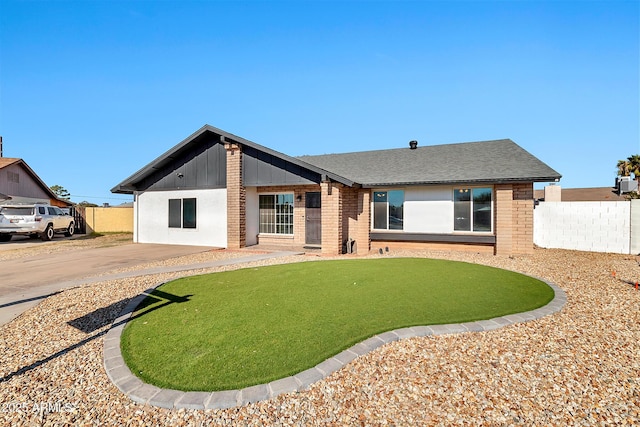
(182, 213)
(472, 209)
(276, 213)
(388, 210)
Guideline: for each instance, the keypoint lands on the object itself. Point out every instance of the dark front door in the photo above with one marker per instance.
(313, 227)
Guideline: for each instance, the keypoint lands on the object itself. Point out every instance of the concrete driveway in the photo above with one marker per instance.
(24, 282)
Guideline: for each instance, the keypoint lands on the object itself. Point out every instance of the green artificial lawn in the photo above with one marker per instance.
(240, 328)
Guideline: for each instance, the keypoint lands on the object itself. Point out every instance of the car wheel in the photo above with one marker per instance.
(48, 233)
(5, 237)
(70, 230)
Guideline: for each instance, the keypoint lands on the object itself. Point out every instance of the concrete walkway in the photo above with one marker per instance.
(25, 282)
(144, 393)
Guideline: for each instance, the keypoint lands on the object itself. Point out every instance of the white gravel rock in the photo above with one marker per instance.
(580, 366)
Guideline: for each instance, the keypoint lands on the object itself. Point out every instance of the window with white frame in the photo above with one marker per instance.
(276, 213)
(472, 209)
(388, 210)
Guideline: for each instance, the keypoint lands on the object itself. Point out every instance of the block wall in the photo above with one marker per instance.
(108, 220)
(584, 226)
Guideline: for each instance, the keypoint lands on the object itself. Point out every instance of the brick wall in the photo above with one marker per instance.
(514, 218)
(236, 199)
(523, 218)
(299, 216)
(503, 218)
(332, 224)
(356, 218)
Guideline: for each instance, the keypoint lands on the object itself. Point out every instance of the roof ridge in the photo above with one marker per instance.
(407, 148)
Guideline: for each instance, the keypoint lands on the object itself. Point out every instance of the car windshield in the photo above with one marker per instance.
(9, 210)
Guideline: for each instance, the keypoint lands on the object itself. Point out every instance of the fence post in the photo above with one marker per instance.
(634, 234)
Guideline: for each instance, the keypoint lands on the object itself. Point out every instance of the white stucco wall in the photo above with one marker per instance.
(151, 218)
(428, 210)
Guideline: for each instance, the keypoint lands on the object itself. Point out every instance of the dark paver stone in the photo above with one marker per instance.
(346, 356)
(422, 331)
(405, 333)
(308, 377)
(388, 336)
(254, 394)
(144, 393)
(166, 398)
(329, 366)
(284, 385)
(223, 399)
(193, 400)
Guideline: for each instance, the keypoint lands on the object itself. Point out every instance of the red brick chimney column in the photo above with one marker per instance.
(504, 219)
(514, 219)
(236, 198)
(331, 194)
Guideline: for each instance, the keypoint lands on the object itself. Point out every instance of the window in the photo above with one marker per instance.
(13, 177)
(55, 211)
(276, 213)
(388, 210)
(182, 213)
(472, 209)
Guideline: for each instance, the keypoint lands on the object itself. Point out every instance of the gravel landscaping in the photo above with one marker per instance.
(580, 366)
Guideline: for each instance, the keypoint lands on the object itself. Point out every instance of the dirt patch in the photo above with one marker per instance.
(35, 248)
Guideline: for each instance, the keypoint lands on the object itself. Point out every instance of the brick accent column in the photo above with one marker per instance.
(361, 228)
(236, 198)
(504, 219)
(514, 219)
(331, 218)
(522, 218)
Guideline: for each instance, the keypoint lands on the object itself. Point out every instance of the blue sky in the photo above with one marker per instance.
(92, 91)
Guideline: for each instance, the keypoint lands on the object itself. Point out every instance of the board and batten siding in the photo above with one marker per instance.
(22, 188)
(151, 218)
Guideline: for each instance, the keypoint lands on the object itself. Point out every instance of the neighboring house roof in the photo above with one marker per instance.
(9, 161)
(499, 161)
(129, 185)
(595, 194)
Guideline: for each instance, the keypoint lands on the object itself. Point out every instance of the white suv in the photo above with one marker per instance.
(34, 220)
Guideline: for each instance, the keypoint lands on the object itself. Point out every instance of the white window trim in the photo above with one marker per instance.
(277, 193)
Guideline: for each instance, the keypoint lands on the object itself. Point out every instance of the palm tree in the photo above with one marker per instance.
(624, 168)
(629, 166)
(634, 165)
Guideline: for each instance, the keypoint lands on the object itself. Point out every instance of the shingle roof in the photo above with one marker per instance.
(488, 161)
(128, 185)
(6, 161)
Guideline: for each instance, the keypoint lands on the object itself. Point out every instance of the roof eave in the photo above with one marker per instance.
(465, 181)
(127, 186)
(323, 172)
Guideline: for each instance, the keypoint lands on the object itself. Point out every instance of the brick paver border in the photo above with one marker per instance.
(141, 392)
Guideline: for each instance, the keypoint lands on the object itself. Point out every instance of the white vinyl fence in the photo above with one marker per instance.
(588, 226)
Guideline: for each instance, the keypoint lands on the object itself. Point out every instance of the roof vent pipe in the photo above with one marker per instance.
(413, 144)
